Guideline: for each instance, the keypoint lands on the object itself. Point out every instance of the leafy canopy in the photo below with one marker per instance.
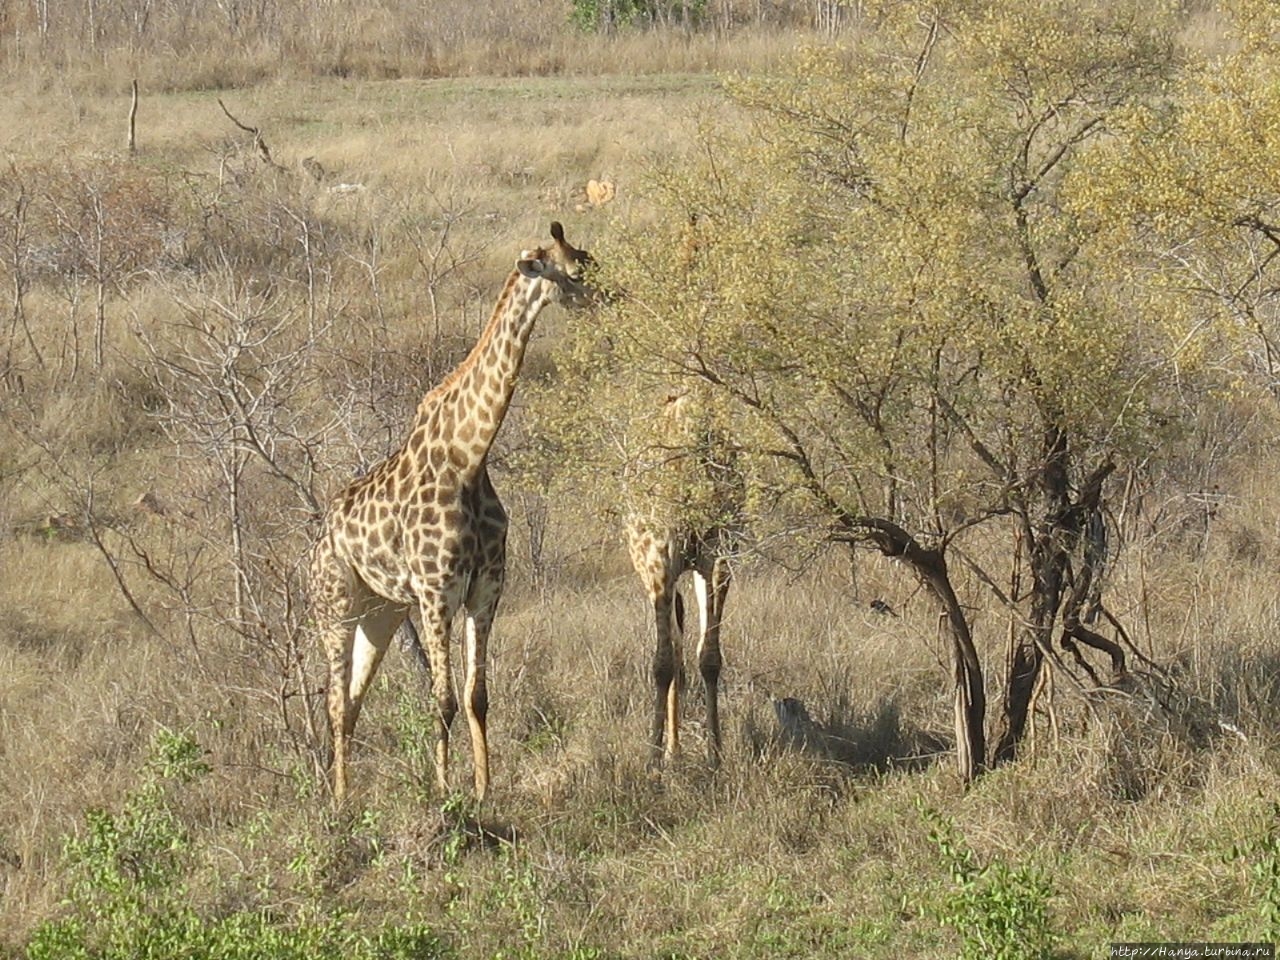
(887, 271)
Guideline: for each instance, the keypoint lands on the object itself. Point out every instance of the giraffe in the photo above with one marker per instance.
(664, 543)
(424, 526)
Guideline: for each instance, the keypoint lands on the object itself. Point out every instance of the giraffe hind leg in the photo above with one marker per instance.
(712, 592)
(337, 648)
(373, 630)
(355, 644)
(666, 658)
(332, 583)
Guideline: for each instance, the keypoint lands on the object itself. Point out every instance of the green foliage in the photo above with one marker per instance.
(176, 757)
(1262, 856)
(1000, 912)
(458, 816)
(127, 856)
(1190, 181)
(608, 15)
(180, 932)
(126, 867)
(518, 893)
(128, 902)
(877, 273)
(414, 721)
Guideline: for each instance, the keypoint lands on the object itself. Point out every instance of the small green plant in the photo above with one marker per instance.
(410, 942)
(414, 719)
(518, 893)
(177, 757)
(307, 865)
(1000, 912)
(457, 814)
(1263, 858)
(137, 849)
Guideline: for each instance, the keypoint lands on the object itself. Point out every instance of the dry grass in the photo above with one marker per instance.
(792, 849)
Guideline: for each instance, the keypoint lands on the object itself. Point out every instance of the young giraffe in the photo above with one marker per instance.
(424, 526)
(663, 549)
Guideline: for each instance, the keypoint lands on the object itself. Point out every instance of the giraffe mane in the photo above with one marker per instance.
(469, 361)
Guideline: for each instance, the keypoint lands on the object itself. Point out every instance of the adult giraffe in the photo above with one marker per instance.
(425, 526)
(689, 521)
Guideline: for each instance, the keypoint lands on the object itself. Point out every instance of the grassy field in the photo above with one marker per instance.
(181, 756)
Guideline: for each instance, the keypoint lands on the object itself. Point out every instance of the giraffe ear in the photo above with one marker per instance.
(557, 231)
(531, 268)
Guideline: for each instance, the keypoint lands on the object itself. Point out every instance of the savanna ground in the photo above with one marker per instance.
(262, 336)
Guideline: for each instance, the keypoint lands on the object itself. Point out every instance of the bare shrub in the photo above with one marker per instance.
(89, 229)
(109, 223)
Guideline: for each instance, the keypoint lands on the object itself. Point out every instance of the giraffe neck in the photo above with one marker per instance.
(465, 411)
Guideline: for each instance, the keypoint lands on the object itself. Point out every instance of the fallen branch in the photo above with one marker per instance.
(259, 143)
(132, 142)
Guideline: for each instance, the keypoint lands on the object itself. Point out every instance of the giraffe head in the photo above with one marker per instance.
(562, 269)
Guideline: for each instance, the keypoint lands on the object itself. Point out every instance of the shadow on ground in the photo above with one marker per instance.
(874, 740)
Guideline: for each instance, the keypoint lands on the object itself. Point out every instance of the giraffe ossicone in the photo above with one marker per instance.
(425, 526)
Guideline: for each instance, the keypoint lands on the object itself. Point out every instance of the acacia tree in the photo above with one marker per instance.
(1195, 183)
(887, 269)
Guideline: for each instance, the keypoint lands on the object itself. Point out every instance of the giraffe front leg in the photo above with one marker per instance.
(435, 629)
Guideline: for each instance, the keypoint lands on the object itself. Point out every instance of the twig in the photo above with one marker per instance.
(91, 524)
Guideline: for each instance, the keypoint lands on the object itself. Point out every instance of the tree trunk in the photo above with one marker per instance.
(1046, 561)
(930, 567)
(1051, 541)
